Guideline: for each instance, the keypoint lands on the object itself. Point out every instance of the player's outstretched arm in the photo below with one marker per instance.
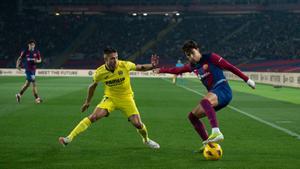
(18, 64)
(91, 89)
(146, 67)
(224, 64)
(174, 70)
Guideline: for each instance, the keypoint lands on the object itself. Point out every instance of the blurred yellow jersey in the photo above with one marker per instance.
(117, 83)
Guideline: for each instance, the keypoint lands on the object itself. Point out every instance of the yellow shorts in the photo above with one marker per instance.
(126, 105)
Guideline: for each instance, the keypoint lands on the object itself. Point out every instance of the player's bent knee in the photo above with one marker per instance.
(191, 116)
(136, 121)
(96, 116)
(205, 100)
(27, 84)
(196, 114)
(212, 98)
(137, 124)
(93, 118)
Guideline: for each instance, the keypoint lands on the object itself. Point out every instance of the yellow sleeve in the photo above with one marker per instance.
(97, 76)
(129, 65)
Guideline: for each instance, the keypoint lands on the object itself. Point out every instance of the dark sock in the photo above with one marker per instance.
(21, 92)
(199, 126)
(35, 95)
(210, 112)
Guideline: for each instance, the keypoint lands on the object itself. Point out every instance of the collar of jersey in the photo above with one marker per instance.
(110, 70)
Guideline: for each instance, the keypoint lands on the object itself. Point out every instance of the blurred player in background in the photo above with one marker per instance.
(118, 95)
(28, 59)
(209, 69)
(178, 64)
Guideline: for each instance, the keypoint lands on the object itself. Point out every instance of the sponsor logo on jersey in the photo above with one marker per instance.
(205, 67)
(202, 76)
(115, 82)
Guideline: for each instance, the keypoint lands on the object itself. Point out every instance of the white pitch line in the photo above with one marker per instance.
(289, 132)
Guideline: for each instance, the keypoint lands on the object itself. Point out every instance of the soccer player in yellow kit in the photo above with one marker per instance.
(118, 95)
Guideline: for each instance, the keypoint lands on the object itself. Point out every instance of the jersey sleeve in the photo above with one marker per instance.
(22, 54)
(176, 70)
(97, 76)
(224, 64)
(38, 55)
(129, 65)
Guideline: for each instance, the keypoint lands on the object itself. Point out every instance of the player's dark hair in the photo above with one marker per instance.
(31, 41)
(189, 45)
(109, 50)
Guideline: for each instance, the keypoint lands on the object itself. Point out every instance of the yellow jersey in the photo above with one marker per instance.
(117, 83)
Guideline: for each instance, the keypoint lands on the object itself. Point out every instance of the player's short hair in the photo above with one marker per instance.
(189, 45)
(109, 50)
(31, 41)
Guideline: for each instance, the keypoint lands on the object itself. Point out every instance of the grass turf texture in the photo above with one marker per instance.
(29, 132)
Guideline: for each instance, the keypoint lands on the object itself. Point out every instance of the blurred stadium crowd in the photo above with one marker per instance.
(267, 41)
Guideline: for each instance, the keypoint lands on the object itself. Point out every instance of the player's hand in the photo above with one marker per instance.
(19, 67)
(154, 60)
(85, 106)
(156, 70)
(37, 61)
(251, 83)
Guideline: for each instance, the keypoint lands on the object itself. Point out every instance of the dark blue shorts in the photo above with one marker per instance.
(224, 94)
(30, 76)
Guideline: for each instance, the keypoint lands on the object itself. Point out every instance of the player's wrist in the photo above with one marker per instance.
(153, 66)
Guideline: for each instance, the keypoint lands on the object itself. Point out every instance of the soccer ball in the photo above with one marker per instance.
(212, 151)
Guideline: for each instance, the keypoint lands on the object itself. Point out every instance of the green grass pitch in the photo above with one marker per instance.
(29, 132)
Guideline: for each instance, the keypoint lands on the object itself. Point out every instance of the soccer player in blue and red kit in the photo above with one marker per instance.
(29, 58)
(209, 69)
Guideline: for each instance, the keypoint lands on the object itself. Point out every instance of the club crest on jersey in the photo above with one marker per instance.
(205, 67)
(120, 72)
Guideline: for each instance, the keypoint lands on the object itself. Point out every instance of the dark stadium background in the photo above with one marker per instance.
(257, 35)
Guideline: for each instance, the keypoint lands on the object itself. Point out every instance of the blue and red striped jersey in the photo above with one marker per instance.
(28, 59)
(209, 70)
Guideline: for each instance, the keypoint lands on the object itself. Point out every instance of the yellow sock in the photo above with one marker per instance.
(82, 125)
(143, 132)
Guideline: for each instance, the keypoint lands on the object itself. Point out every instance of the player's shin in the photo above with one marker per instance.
(24, 87)
(144, 133)
(82, 126)
(210, 112)
(216, 135)
(198, 126)
(35, 94)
